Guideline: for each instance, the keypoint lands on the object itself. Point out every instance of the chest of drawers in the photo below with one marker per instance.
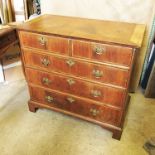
(80, 67)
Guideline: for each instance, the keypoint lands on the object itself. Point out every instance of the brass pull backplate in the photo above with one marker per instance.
(96, 93)
(45, 62)
(70, 81)
(49, 98)
(94, 112)
(99, 50)
(70, 99)
(46, 81)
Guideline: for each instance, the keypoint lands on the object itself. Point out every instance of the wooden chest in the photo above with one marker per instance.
(80, 67)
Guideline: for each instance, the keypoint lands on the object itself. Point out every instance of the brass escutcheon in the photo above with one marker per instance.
(70, 99)
(96, 93)
(94, 112)
(70, 81)
(97, 73)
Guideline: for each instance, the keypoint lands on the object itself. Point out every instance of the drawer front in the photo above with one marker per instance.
(101, 73)
(50, 43)
(77, 105)
(103, 52)
(100, 93)
(45, 62)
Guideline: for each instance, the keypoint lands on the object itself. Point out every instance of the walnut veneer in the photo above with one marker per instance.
(80, 67)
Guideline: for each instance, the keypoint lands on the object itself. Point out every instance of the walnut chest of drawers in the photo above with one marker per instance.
(80, 67)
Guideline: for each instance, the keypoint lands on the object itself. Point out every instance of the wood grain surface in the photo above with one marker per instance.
(98, 30)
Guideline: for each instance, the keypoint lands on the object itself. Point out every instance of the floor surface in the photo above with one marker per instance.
(49, 133)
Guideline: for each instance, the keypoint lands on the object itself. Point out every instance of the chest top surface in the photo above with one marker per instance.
(128, 34)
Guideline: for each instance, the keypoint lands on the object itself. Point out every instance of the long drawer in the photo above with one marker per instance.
(103, 52)
(51, 43)
(95, 72)
(76, 105)
(75, 86)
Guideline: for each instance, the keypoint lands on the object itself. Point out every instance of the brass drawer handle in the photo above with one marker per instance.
(96, 93)
(49, 98)
(45, 62)
(97, 73)
(42, 41)
(70, 62)
(94, 112)
(70, 81)
(46, 81)
(70, 99)
(99, 50)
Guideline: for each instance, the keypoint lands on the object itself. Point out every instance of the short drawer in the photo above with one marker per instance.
(51, 43)
(76, 105)
(104, 94)
(103, 52)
